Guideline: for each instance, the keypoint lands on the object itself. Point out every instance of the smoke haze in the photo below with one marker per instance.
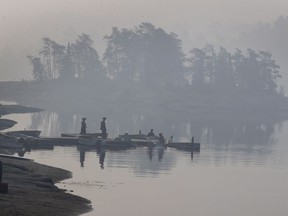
(24, 23)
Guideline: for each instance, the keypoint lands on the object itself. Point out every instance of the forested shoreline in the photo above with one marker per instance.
(146, 68)
(152, 57)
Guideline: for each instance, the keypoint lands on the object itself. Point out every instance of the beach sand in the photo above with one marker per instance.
(31, 191)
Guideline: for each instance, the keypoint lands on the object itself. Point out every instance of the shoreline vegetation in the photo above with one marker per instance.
(31, 186)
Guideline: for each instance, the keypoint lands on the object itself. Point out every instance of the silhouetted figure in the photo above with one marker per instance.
(161, 139)
(103, 128)
(170, 139)
(82, 157)
(83, 126)
(151, 133)
(192, 141)
(160, 153)
(150, 152)
(102, 158)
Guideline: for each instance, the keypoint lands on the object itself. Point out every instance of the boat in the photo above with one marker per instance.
(15, 157)
(133, 136)
(81, 135)
(139, 139)
(184, 146)
(58, 141)
(6, 123)
(104, 143)
(9, 141)
(24, 133)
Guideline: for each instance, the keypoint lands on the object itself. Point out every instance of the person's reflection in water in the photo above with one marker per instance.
(82, 157)
(160, 153)
(192, 155)
(101, 153)
(150, 153)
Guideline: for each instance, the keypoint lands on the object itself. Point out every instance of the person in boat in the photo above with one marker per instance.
(161, 139)
(103, 128)
(151, 133)
(83, 126)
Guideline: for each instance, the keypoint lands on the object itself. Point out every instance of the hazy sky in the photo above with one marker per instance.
(23, 23)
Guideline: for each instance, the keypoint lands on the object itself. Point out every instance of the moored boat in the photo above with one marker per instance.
(104, 143)
(184, 145)
(6, 123)
(87, 135)
(9, 142)
(24, 133)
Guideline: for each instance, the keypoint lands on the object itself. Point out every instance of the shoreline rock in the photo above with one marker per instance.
(32, 191)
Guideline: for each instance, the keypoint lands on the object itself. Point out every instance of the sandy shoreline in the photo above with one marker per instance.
(32, 191)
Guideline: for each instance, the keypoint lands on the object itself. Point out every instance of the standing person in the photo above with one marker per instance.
(170, 139)
(83, 126)
(103, 128)
(161, 139)
(151, 133)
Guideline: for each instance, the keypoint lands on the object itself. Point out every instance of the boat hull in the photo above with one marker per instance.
(81, 135)
(184, 145)
(103, 143)
(9, 142)
(6, 123)
(29, 133)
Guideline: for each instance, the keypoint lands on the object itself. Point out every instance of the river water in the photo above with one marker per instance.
(241, 168)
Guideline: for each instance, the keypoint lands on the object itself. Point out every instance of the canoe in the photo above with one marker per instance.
(6, 123)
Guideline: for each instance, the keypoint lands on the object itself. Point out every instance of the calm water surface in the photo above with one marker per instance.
(240, 170)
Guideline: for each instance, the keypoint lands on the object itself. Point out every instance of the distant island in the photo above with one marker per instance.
(145, 68)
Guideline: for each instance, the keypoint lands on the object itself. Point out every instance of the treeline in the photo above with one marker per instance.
(255, 71)
(151, 56)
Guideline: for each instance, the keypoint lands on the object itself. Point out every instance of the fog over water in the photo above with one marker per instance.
(231, 101)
